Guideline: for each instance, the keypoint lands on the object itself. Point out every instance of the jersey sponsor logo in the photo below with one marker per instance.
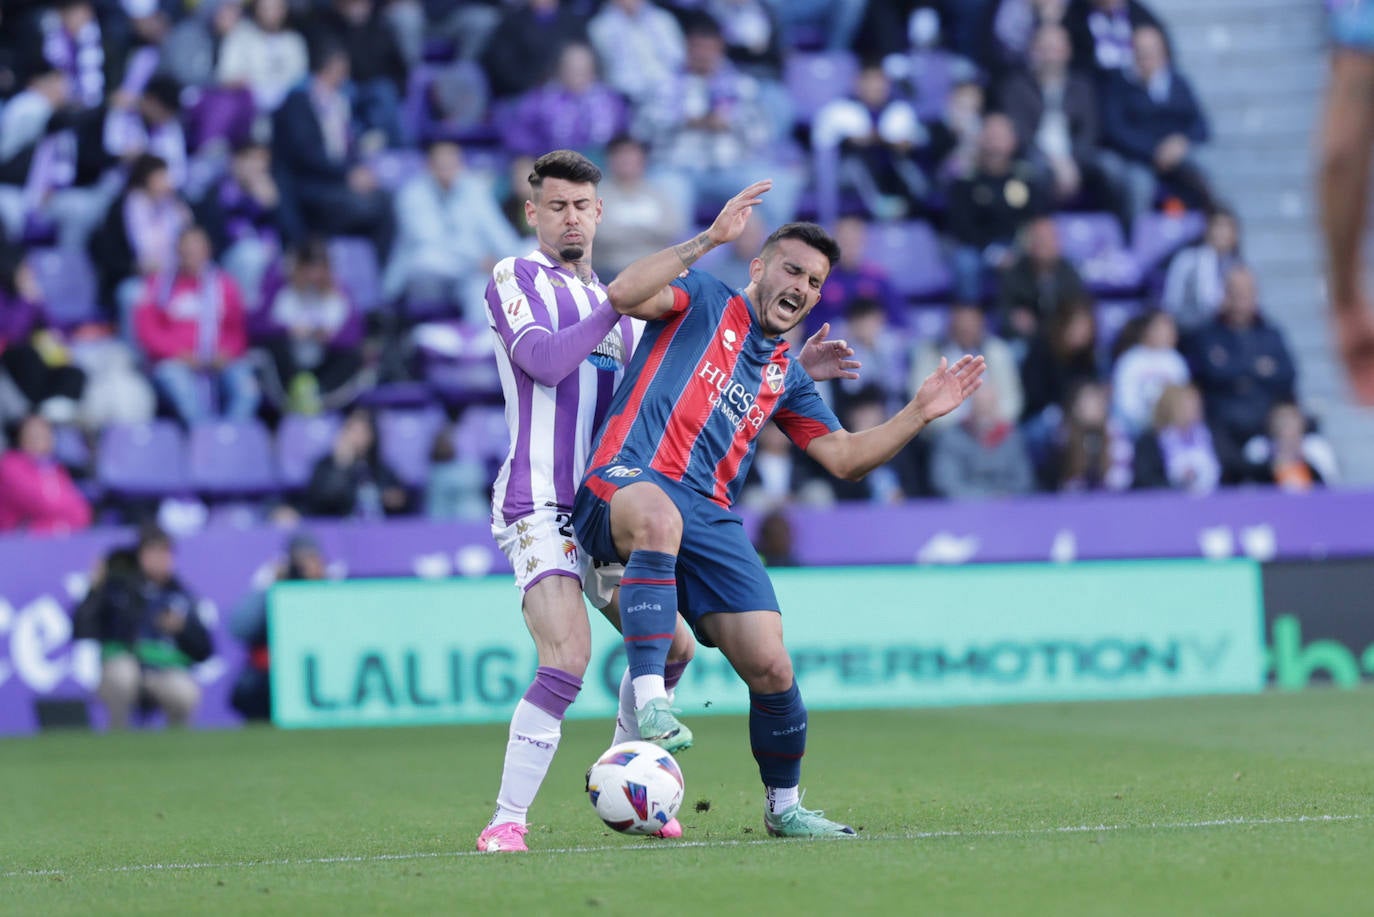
(774, 376)
(609, 355)
(623, 471)
(518, 313)
(736, 402)
(644, 606)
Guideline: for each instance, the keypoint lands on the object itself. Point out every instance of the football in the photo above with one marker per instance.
(635, 787)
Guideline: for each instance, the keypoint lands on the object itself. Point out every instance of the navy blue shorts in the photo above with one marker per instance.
(718, 569)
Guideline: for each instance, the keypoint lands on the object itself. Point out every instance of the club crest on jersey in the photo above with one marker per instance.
(570, 549)
(773, 375)
(623, 471)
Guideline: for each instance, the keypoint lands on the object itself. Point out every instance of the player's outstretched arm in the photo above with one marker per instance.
(642, 290)
(852, 455)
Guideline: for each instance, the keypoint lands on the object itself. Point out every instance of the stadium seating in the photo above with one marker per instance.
(301, 441)
(229, 458)
(67, 280)
(814, 79)
(1094, 243)
(911, 254)
(1156, 236)
(354, 262)
(407, 435)
(481, 434)
(147, 459)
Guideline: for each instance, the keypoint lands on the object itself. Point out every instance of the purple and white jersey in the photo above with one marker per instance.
(551, 425)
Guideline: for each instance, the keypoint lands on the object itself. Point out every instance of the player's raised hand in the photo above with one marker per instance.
(947, 387)
(824, 359)
(734, 216)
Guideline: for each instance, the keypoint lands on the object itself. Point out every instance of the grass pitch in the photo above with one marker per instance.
(1242, 805)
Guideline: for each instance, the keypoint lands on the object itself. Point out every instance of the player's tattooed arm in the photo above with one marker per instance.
(693, 249)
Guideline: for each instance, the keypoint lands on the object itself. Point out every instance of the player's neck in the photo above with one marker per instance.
(581, 268)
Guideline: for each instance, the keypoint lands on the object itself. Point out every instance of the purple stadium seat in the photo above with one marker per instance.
(142, 459)
(912, 256)
(1093, 242)
(1112, 315)
(406, 439)
(67, 280)
(394, 168)
(932, 75)
(355, 268)
(816, 78)
(458, 361)
(482, 434)
(301, 441)
(231, 457)
(1156, 236)
(69, 446)
(448, 100)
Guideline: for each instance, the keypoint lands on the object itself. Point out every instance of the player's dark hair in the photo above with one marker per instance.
(808, 233)
(568, 165)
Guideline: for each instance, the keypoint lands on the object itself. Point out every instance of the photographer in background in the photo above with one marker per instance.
(252, 694)
(145, 620)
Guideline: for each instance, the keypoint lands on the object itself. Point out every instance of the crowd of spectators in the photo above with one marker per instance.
(258, 214)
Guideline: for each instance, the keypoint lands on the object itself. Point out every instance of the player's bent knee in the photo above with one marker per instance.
(771, 675)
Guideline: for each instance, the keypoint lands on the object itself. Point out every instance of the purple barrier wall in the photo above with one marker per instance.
(42, 579)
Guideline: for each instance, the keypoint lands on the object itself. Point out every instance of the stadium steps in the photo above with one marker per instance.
(1260, 68)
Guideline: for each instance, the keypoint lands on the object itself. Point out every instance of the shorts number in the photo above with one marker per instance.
(564, 521)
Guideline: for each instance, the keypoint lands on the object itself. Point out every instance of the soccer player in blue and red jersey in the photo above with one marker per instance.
(710, 371)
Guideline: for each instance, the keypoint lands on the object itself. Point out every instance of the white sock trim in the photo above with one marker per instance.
(648, 687)
(781, 798)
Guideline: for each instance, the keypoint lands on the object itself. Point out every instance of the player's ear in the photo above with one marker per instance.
(529, 215)
(755, 270)
(599, 205)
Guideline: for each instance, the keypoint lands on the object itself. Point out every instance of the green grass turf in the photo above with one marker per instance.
(961, 810)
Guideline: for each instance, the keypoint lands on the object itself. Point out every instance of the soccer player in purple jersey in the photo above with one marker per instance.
(563, 351)
(711, 370)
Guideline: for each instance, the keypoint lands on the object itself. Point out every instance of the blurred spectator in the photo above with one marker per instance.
(854, 277)
(353, 480)
(1194, 285)
(24, 121)
(1179, 452)
(240, 214)
(573, 111)
(323, 184)
(894, 480)
(377, 68)
(711, 126)
(878, 147)
(37, 495)
(835, 21)
(639, 45)
(988, 208)
(983, 455)
(149, 632)
(35, 355)
(638, 217)
(456, 488)
(73, 40)
(1101, 31)
(967, 332)
(1150, 123)
(775, 540)
(518, 191)
(314, 347)
(450, 235)
(193, 48)
(252, 692)
(1062, 356)
(1054, 111)
(521, 51)
(149, 123)
(191, 326)
(1009, 30)
(964, 121)
(1094, 454)
(1038, 284)
(781, 475)
(1145, 370)
(1288, 454)
(753, 41)
(1241, 363)
(139, 237)
(877, 347)
(263, 54)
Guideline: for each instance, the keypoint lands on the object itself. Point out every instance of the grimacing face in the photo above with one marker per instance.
(564, 215)
(787, 280)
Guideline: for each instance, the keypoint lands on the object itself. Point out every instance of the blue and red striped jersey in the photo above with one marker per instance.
(702, 383)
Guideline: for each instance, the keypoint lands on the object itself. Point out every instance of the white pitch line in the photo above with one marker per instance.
(676, 845)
